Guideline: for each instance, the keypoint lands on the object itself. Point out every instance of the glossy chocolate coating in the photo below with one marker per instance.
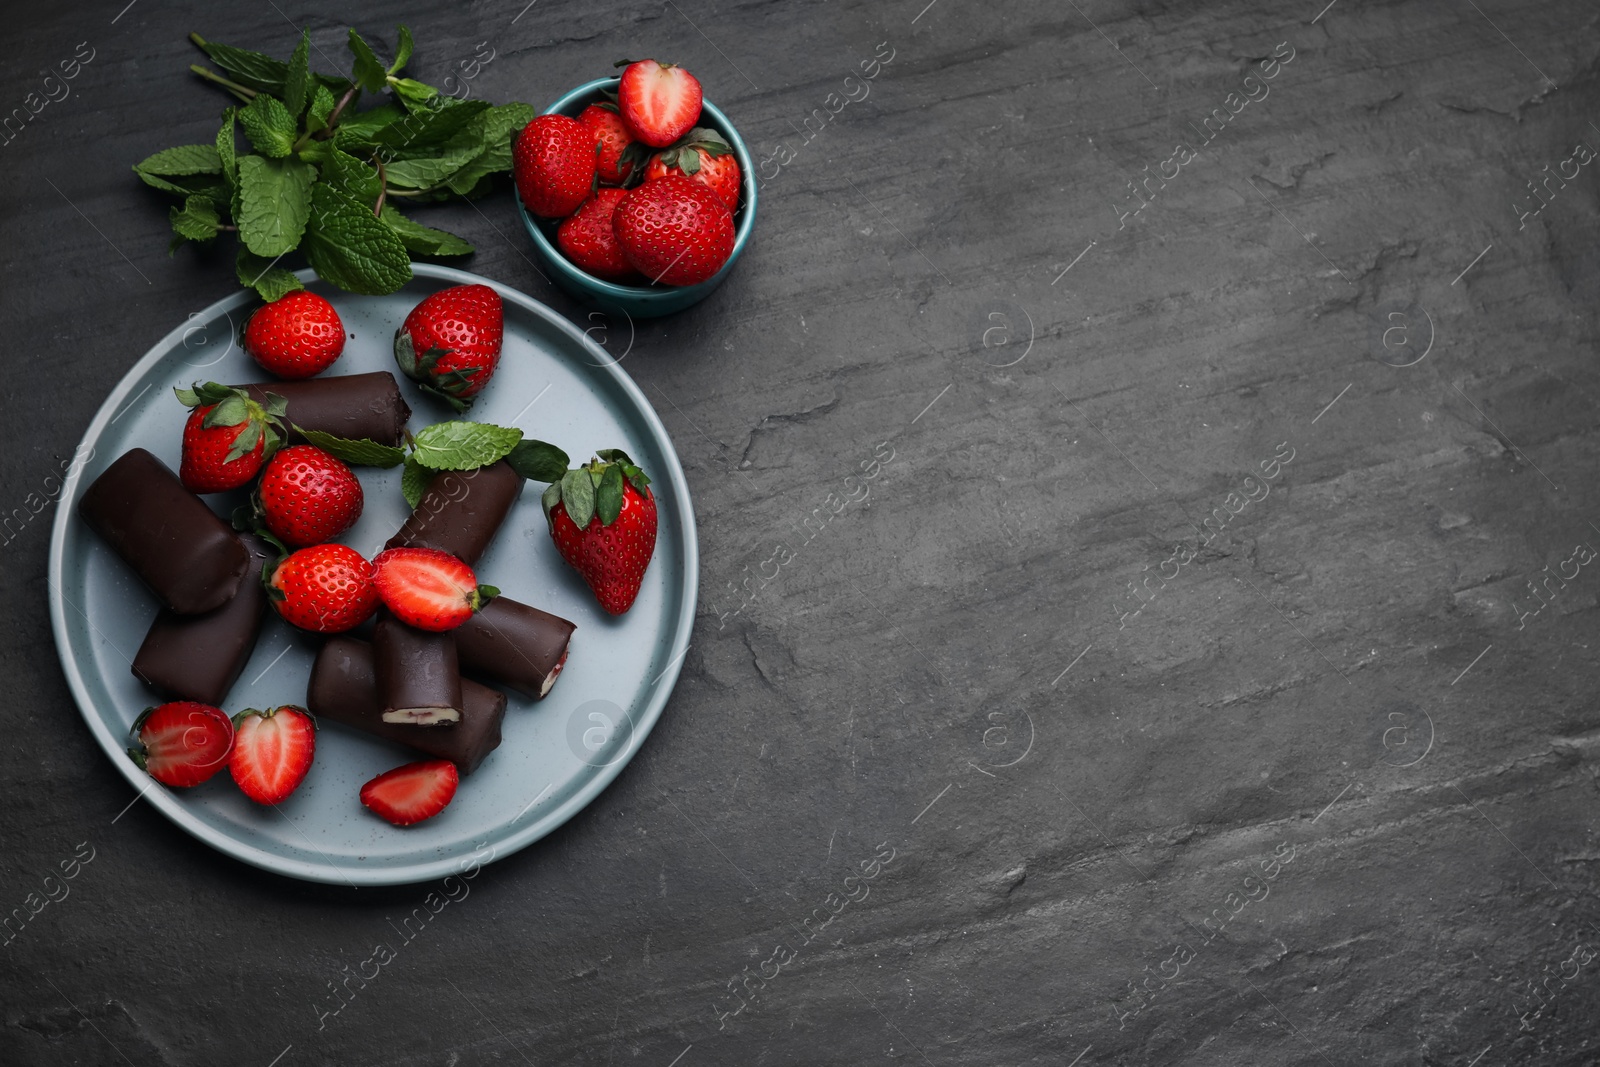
(461, 511)
(344, 688)
(514, 645)
(418, 676)
(348, 405)
(188, 556)
(199, 657)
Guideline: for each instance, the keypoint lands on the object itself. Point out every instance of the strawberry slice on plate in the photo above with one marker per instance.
(182, 743)
(412, 793)
(428, 588)
(660, 102)
(272, 751)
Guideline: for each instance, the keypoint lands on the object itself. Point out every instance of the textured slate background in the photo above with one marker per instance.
(1335, 692)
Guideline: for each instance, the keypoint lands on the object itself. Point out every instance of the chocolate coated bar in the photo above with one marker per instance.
(514, 645)
(188, 556)
(349, 405)
(419, 681)
(461, 511)
(344, 689)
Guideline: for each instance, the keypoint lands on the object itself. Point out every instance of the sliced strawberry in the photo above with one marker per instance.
(409, 794)
(660, 102)
(182, 743)
(428, 588)
(272, 751)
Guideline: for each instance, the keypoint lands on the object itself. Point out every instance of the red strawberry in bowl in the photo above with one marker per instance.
(450, 343)
(227, 437)
(660, 102)
(553, 162)
(603, 520)
(308, 496)
(620, 155)
(590, 241)
(296, 336)
(705, 156)
(674, 230)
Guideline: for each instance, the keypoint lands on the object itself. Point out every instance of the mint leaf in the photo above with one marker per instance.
(360, 452)
(297, 80)
(423, 240)
(402, 52)
(322, 105)
(463, 446)
(228, 153)
(538, 461)
(197, 220)
(250, 69)
(414, 481)
(259, 273)
(360, 128)
(424, 132)
(274, 203)
(351, 248)
(269, 126)
(494, 130)
(369, 73)
(426, 173)
(608, 497)
(182, 160)
(413, 94)
(349, 175)
(577, 493)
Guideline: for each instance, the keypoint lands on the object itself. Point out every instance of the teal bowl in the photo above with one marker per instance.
(642, 301)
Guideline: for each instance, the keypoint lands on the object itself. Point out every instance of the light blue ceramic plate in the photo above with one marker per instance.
(557, 754)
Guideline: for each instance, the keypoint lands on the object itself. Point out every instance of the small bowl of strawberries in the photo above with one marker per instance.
(638, 192)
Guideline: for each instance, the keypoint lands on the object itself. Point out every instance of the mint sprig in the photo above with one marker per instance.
(459, 445)
(358, 452)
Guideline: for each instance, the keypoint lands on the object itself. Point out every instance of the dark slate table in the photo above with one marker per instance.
(1208, 676)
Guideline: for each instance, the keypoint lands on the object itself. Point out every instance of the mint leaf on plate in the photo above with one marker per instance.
(359, 452)
(414, 481)
(458, 445)
(539, 461)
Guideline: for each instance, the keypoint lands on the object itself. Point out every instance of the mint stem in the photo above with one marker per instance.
(383, 188)
(235, 88)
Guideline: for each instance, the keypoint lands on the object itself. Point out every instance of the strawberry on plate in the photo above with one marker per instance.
(675, 230)
(296, 336)
(660, 102)
(227, 437)
(705, 156)
(603, 520)
(588, 238)
(182, 743)
(428, 588)
(620, 155)
(412, 793)
(553, 162)
(308, 496)
(326, 589)
(450, 343)
(272, 751)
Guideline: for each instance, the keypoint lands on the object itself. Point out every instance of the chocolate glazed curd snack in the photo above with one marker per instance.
(514, 645)
(344, 688)
(354, 406)
(199, 657)
(419, 680)
(188, 556)
(461, 511)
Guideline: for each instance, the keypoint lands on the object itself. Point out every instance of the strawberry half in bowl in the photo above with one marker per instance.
(641, 299)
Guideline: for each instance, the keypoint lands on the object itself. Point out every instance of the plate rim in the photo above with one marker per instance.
(177, 810)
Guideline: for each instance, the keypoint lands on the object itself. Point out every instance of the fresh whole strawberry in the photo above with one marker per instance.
(308, 496)
(272, 751)
(588, 238)
(603, 521)
(450, 343)
(620, 155)
(227, 437)
(295, 336)
(553, 162)
(182, 743)
(428, 588)
(704, 156)
(326, 589)
(660, 102)
(674, 230)
(412, 793)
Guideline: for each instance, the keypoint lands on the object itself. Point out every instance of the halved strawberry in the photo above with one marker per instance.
(660, 102)
(272, 751)
(182, 743)
(428, 588)
(409, 794)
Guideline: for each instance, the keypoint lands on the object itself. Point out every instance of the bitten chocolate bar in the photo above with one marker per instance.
(344, 688)
(199, 657)
(419, 681)
(349, 405)
(514, 645)
(461, 511)
(188, 556)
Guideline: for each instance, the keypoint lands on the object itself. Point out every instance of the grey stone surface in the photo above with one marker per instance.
(1323, 799)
